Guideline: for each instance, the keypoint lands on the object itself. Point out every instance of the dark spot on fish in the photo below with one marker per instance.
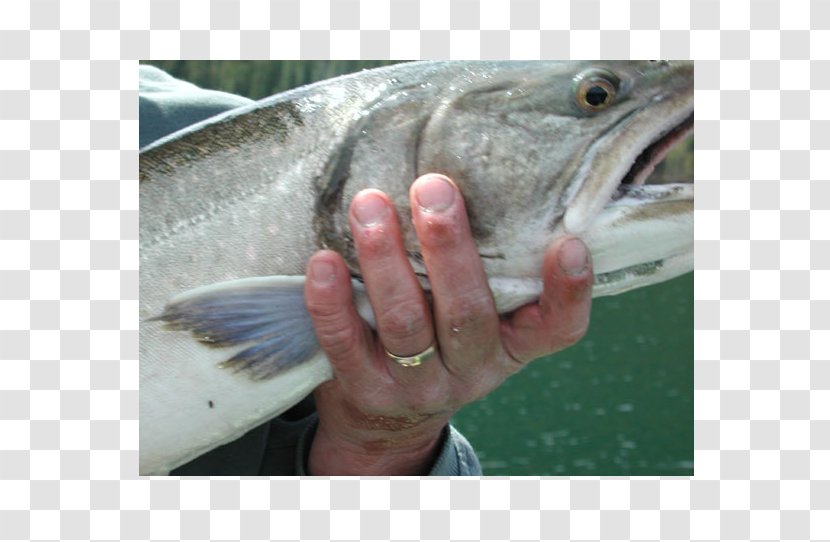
(210, 404)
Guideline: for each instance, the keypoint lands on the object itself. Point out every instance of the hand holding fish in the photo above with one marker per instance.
(380, 418)
(233, 207)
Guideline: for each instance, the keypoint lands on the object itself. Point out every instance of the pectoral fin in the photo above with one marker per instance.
(263, 318)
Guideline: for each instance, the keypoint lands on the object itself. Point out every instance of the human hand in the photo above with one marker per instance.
(377, 417)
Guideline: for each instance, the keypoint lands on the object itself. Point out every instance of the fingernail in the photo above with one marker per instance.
(434, 194)
(322, 271)
(370, 209)
(573, 257)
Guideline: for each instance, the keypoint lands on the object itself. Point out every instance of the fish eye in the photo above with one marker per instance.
(595, 91)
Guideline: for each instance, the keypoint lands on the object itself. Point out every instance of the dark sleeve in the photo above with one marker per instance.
(457, 457)
(271, 449)
(166, 104)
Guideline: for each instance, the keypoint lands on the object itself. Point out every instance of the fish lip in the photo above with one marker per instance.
(655, 152)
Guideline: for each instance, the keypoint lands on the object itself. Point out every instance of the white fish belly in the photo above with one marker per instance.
(179, 379)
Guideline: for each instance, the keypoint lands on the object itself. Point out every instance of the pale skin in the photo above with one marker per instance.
(379, 418)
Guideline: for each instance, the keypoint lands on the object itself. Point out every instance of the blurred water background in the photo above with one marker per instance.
(618, 403)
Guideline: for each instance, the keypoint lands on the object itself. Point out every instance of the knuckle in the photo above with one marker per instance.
(337, 339)
(401, 321)
(469, 312)
(335, 329)
(322, 309)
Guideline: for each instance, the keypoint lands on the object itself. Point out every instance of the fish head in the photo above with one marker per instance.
(545, 149)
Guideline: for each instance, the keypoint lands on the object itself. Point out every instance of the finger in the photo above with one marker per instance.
(342, 334)
(404, 322)
(465, 317)
(560, 318)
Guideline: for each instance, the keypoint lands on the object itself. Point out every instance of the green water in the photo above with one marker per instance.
(617, 403)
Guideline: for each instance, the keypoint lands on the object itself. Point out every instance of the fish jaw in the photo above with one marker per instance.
(643, 236)
(639, 234)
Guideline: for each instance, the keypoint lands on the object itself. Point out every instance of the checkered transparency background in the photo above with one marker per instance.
(69, 272)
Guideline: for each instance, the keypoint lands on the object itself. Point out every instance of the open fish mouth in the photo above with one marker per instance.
(647, 161)
(645, 228)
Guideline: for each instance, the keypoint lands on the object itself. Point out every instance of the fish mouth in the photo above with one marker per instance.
(626, 156)
(644, 232)
(654, 154)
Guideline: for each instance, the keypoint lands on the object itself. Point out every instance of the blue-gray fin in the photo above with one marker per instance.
(264, 315)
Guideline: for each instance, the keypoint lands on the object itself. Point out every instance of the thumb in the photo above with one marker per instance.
(560, 317)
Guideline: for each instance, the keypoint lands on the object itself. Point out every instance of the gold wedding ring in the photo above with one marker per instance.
(413, 361)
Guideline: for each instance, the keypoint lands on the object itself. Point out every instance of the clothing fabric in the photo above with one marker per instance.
(279, 447)
(167, 104)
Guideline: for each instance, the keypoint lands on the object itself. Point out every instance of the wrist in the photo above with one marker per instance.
(375, 452)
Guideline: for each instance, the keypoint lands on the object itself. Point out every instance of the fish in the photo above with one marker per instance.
(232, 208)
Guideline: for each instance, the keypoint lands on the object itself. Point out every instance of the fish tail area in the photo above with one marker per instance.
(262, 321)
